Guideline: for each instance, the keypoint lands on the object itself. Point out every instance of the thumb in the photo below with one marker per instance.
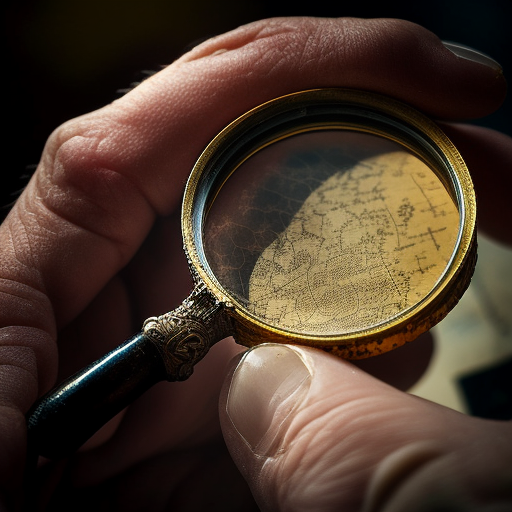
(311, 432)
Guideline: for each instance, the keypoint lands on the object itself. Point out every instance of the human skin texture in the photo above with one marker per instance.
(92, 247)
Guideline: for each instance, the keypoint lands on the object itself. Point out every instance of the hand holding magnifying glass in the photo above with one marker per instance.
(333, 218)
(150, 138)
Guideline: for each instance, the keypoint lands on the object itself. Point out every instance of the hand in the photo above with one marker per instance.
(92, 247)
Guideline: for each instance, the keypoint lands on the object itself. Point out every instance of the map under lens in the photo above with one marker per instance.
(330, 232)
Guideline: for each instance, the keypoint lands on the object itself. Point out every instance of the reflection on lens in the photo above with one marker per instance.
(330, 232)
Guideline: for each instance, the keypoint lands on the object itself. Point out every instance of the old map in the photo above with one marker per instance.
(365, 244)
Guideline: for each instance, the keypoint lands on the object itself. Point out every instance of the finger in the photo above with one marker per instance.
(311, 432)
(488, 155)
(393, 57)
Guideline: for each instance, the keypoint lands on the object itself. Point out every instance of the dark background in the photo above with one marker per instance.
(63, 58)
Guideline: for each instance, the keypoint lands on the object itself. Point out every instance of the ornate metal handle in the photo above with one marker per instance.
(185, 335)
(167, 349)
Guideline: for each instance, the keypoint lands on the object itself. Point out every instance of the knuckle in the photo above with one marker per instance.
(81, 180)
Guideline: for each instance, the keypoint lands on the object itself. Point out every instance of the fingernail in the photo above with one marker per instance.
(466, 52)
(268, 385)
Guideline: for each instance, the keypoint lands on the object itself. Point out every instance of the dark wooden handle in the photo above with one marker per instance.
(67, 416)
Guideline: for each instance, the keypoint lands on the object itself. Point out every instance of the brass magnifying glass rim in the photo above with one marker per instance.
(433, 147)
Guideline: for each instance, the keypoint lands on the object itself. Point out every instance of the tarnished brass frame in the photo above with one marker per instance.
(429, 143)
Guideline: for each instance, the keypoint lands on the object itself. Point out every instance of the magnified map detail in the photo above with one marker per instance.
(331, 232)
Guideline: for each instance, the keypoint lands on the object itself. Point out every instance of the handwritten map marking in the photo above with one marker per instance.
(368, 243)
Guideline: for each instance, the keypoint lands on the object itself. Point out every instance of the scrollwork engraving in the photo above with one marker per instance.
(184, 336)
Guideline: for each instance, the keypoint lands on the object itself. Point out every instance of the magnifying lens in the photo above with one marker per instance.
(333, 218)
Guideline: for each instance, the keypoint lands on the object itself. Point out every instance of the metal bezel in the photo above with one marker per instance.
(343, 109)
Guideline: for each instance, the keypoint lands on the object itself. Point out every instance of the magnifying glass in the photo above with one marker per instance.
(333, 218)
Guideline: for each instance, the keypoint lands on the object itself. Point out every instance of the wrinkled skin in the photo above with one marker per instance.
(92, 247)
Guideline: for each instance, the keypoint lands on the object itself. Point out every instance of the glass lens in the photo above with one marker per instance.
(330, 232)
